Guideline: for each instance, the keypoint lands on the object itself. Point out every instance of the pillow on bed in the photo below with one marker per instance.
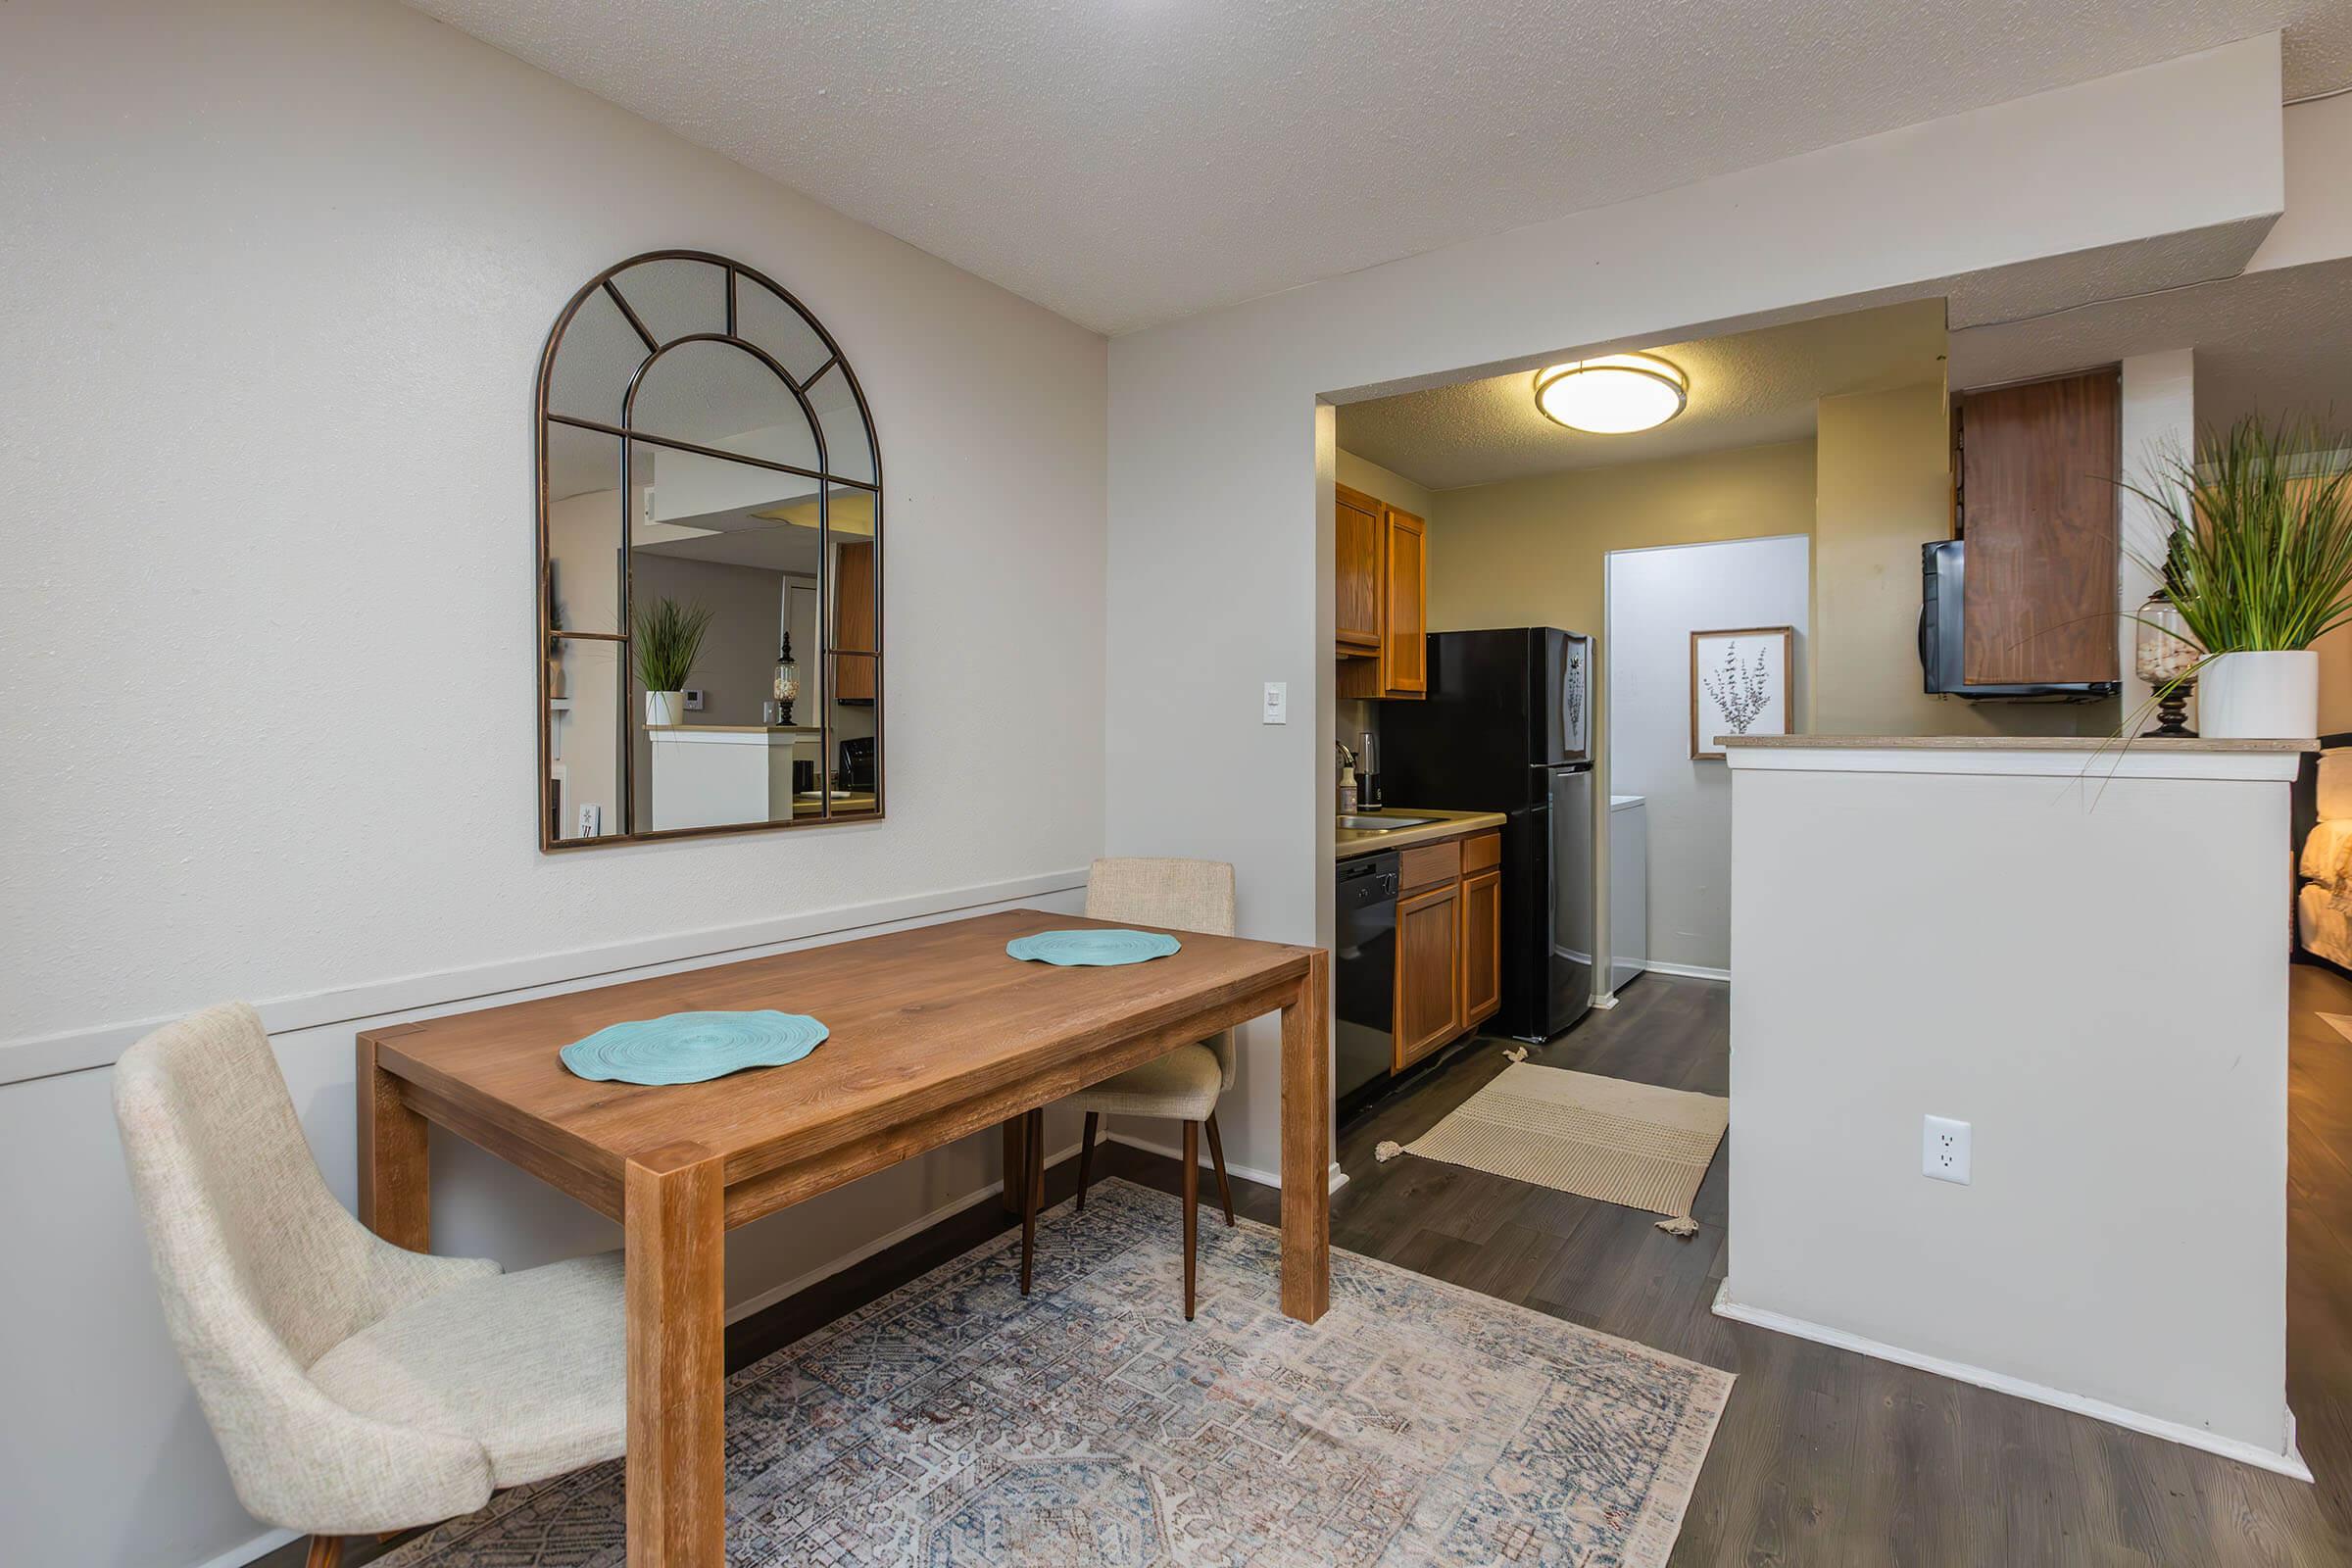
(2328, 855)
(2335, 784)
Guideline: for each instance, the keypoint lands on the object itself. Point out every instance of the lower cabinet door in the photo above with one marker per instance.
(1482, 944)
(1428, 998)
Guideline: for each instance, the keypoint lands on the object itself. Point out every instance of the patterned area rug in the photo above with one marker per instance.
(954, 1423)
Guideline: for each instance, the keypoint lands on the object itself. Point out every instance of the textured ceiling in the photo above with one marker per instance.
(1746, 389)
(1129, 161)
(2277, 342)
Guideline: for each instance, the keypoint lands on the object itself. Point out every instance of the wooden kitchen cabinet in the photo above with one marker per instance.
(1355, 581)
(1404, 623)
(1482, 946)
(1448, 943)
(1380, 598)
(1429, 999)
(853, 622)
(2037, 465)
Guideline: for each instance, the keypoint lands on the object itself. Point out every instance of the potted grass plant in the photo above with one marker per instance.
(667, 642)
(2258, 563)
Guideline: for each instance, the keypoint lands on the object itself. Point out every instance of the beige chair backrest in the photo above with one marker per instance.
(261, 1272)
(1165, 891)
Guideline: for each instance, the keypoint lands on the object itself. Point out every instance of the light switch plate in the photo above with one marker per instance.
(693, 699)
(1278, 703)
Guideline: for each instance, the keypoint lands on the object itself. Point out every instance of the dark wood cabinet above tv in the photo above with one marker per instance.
(2039, 505)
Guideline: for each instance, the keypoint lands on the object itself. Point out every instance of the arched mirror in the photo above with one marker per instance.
(709, 563)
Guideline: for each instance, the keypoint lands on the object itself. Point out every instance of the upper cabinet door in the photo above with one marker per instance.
(1357, 581)
(2039, 511)
(1405, 651)
(853, 639)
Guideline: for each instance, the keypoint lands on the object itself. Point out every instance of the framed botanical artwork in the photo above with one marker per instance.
(1740, 685)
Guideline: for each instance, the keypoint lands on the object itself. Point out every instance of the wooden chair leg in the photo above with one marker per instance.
(1033, 1137)
(1216, 1154)
(326, 1551)
(1086, 1157)
(1192, 1209)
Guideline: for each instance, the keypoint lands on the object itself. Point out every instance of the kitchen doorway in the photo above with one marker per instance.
(1688, 629)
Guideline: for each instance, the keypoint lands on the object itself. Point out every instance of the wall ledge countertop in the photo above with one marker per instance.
(2166, 744)
(1352, 842)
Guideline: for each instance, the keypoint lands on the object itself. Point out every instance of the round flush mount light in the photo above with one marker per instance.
(1615, 394)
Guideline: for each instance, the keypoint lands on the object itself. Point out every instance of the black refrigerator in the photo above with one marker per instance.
(1506, 727)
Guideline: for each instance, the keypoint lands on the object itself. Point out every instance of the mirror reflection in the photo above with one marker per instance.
(710, 559)
(727, 559)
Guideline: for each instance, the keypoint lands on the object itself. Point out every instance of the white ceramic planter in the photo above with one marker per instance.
(667, 708)
(2266, 696)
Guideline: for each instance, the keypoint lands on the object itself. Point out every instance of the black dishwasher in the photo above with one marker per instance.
(1364, 983)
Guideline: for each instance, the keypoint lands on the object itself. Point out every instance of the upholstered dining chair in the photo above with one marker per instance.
(356, 1388)
(1182, 1086)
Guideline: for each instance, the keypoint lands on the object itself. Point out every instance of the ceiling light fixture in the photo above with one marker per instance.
(1615, 394)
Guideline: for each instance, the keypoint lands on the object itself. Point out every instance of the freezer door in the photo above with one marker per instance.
(1560, 688)
(1570, 992)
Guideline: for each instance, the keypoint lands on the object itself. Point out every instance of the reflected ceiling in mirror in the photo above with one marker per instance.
(710, 530)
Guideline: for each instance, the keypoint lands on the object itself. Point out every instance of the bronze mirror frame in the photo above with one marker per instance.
(825, 656)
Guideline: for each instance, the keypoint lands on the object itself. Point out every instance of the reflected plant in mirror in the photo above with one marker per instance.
(711, 501)
(668, 644)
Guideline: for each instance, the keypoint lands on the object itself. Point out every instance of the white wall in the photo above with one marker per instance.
(2184, 156)
(1656, 599)
(1991, 941)
(276, 280)
(2318, 224)
(2159, 416)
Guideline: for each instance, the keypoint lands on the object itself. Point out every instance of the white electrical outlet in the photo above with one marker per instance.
(1278, 703)
(1944, 1150)
(592, 819)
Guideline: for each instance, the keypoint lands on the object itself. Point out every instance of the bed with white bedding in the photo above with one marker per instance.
(2324, 902)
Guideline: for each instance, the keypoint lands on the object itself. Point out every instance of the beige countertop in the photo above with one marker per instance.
(2007, 742)
(1443, 826)
(738, 729)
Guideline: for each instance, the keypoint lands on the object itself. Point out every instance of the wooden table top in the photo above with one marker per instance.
(919, 1019)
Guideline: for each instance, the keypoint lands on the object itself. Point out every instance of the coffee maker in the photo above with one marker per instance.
(856, 774)
(1367, 771)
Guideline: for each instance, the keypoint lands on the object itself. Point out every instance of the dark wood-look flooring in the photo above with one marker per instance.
(1824, 1458)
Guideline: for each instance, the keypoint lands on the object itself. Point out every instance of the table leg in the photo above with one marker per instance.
(1307, 1144)
(1016, 1161)
(395, 1178)
(673, 1219)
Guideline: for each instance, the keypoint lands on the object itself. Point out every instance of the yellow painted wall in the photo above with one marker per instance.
(1885, 489)
(1532, 553)
(1357, 473)
(1529, 552)
(1870, 489)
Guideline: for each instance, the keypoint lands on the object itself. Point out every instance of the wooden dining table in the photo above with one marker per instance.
(936, 1033)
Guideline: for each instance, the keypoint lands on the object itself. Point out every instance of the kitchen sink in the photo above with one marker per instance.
(1377, 824)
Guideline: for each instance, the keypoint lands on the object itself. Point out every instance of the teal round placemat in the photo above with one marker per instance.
(1093, 949)
(692, 1047)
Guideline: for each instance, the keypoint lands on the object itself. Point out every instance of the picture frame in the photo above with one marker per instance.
(1742, 683)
